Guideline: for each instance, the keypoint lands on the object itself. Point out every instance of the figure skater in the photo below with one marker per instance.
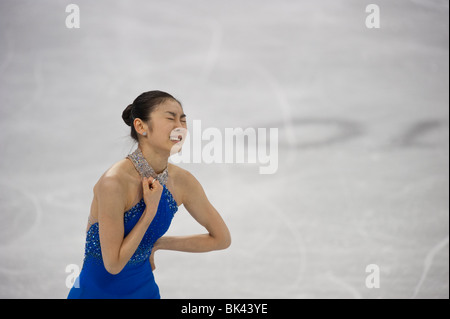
(134, 203)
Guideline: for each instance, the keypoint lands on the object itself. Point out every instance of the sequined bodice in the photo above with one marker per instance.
(160, 224)
(158, 227)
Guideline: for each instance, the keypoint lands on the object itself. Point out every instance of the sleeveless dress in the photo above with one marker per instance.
(136, 280)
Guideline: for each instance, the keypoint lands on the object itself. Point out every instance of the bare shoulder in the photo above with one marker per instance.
(181, 176)
(177, 172)
(186, 184)
(115, 180)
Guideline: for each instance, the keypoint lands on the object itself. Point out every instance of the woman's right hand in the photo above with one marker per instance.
(152, 194)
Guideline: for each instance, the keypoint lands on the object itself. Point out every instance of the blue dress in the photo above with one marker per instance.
(136, 279)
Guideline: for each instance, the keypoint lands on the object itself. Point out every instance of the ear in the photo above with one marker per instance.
(140, 126)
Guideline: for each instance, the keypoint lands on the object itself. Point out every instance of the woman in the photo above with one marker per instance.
(134, 203)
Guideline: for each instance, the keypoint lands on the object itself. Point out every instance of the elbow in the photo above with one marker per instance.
(224, 242)
(227, 243)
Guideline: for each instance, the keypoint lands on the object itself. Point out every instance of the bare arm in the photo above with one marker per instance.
(117, 250)
(197, 204)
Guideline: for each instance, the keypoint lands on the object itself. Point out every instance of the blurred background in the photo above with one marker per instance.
(363, 152)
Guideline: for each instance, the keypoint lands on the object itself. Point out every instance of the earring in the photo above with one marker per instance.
(145, 133)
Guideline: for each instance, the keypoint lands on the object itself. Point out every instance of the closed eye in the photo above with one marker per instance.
(182, 116)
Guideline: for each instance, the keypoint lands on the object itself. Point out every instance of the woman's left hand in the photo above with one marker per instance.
(152, 259)
(152, 254)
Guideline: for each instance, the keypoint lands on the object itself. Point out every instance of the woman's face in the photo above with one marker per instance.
(164, 119)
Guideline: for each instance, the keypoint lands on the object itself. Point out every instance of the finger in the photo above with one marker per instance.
(145, 184)
(156, 183)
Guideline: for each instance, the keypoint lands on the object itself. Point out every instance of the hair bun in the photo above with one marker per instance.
(127, 116)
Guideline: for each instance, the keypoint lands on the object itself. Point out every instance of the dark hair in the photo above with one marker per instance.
(142, 107)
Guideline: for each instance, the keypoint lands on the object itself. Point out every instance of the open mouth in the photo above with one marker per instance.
(178, 134)
(178, 138)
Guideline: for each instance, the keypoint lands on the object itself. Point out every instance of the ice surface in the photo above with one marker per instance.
(362, 116)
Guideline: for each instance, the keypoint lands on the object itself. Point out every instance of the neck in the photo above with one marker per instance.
(157, 161)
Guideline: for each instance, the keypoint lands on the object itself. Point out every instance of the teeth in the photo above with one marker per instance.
(176, 138)
(178, 134)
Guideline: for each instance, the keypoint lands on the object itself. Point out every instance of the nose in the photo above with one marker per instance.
(178, 123)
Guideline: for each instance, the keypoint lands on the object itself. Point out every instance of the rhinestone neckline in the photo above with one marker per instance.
(144, 168)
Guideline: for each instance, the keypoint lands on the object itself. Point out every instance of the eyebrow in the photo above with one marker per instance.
(175, 115)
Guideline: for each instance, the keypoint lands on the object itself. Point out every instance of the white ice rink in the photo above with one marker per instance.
(363, 152)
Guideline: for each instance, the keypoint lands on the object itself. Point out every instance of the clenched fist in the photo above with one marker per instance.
(152, 191)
